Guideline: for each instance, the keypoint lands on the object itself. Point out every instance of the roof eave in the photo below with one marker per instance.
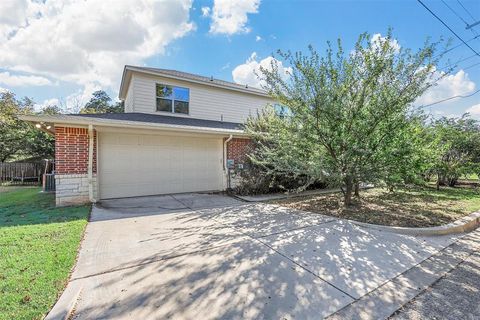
(76, 120)
(122, 92)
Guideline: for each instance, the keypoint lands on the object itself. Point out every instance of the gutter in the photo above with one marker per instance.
(91, 142)
(225, 169)
(85, 122)
(225, 152)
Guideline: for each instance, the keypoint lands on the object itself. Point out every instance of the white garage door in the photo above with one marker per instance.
(137, 165)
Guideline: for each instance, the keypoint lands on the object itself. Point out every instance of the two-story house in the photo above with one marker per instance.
(177, 134)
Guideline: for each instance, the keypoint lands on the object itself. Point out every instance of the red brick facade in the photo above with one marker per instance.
(237, 149)
(71, 150)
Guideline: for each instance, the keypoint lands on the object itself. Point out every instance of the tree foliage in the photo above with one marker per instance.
(349, 116)
(458, 146)
(18, 139)
(102, 103)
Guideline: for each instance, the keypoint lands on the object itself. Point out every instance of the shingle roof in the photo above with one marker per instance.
(171, 120)
(192, 77)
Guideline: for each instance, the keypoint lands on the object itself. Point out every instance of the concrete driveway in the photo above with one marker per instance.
(199, 256)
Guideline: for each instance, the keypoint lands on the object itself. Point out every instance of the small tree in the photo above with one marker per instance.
(345, 110)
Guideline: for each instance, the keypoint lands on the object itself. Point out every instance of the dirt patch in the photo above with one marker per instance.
(407, 207)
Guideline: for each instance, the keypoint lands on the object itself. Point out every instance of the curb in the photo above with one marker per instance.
(65, 305)
(280, 196)
(463, 225)
(384, 301)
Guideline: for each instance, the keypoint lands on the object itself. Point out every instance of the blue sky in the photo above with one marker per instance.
(48, 55)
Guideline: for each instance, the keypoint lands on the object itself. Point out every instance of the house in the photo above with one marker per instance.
(177, 134)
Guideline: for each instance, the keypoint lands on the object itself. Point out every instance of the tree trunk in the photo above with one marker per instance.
(452, 182)
(348, 191)
(357, 189)
(438, 182)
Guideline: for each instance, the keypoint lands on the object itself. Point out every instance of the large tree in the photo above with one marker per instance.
(346, 110)
(102, 103)
(20, 140)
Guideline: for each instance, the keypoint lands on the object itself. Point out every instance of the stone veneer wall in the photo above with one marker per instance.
(71, 165)
(72, 189)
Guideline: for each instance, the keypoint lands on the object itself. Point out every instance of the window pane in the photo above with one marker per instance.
(181, 107)
(182, 94)
(164, 105)
(164, 91)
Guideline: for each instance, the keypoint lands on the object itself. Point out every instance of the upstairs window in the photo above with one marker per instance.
(172, 99)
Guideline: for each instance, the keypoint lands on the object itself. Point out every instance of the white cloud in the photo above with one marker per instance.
(474, 111)
(377, 41)
(231, 16)
(449, 86)
(258, 38)
(248, 72)
(16, 12)
(18, 80)
(3, 90)
(75, 101)
(47, 103)
(88, 42)
(205, 11)
(226, 66)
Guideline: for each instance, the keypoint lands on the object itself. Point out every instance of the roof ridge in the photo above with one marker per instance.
(198, 77)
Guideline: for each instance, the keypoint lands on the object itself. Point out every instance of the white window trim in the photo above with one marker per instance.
(172, 109)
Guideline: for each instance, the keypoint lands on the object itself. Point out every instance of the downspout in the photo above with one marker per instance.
(225, 169)
(91, 142)
(225, 152)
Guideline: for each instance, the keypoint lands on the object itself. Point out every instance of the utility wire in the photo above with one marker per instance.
(447, 99)
(446, 25)
(455, 12)
(468, 12)
(473, 65)
(471, 16)
(457, 46)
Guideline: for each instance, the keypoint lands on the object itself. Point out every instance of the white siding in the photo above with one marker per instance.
(129, 100)
(206, 102)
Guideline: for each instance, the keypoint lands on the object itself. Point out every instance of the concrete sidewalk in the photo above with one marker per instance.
(454, 296)
(212, 257)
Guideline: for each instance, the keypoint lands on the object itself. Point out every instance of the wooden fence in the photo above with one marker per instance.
(15, 173)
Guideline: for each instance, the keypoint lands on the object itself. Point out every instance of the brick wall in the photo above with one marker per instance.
(71, 150)
(237, 148)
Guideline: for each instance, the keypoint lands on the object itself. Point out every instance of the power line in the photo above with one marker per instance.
(462, 60)
(468, 25)
(447, 99)
(451, 30)
(457, 46)
(468, 12)
(471, 66)
(455, 12)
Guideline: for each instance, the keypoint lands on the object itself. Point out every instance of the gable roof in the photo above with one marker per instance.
(185, 76)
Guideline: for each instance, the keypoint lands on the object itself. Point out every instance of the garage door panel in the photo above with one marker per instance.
(135, 165)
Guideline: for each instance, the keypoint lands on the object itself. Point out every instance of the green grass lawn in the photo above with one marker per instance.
(406, 207)
(38, 248)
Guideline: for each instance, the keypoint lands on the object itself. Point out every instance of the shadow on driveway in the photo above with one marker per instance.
(213, 257)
